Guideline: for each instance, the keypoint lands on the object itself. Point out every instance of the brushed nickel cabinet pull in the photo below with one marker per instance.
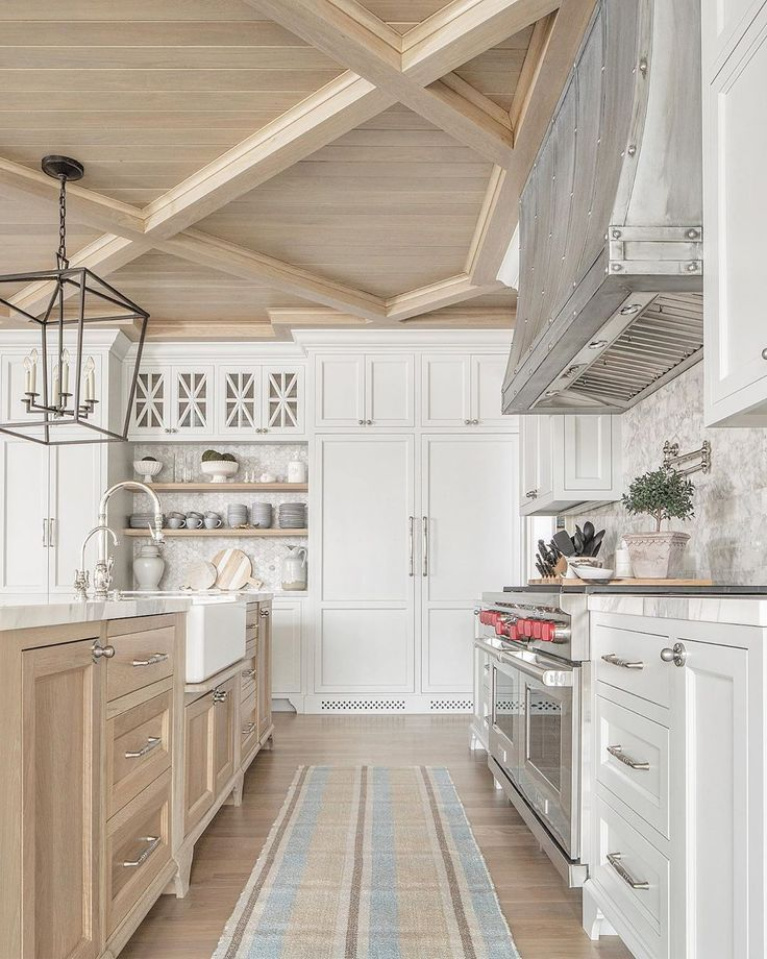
(614, 660)
(411, 545)
(618, 753)
(531, 494)
(101, 652)
(152, 743)
(248, 673)
(219, 695)
(614, 858)
(264, 613)
(153, 660)
(154, 842)
(248, 729)
(425, 534)
(676, 655)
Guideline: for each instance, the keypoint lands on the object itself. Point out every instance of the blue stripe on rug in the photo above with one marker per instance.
(275, 919)
(483, 897)
(384, 926)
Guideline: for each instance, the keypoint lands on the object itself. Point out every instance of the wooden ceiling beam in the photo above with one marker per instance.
(339, 29)
(435, 296)
(500, 211)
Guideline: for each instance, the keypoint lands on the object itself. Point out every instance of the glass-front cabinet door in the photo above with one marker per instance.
(239, 401)
(283, 400)
(152, 402)
(192, 400)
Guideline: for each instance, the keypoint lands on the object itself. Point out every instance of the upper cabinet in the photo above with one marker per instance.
(223, 401)
(368, 390)
(568, 461)
(735, 196)
(462, 390)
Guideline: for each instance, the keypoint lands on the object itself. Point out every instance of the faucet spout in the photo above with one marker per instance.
(155, 531)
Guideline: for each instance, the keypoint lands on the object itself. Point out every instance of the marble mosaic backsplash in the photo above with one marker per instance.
(265, 554)
(729, 531)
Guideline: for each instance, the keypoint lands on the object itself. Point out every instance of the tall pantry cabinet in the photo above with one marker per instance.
(414, 513)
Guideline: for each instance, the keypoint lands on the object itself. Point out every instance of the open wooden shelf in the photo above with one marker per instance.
(230, 487)
(223, 531)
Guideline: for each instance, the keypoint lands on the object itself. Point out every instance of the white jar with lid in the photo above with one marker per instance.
(297, 471)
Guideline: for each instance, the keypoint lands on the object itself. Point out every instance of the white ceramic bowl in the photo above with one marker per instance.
(593, 573)
(147, 469)
(219, 470)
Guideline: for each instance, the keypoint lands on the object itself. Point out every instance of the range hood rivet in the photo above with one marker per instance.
(616, 267)
(616, 234)
(692, 234)
(632, 150)
(692, 267)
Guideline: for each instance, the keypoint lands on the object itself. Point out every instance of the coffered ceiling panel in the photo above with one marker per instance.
(386, 208)
(404, 12)
(145, 103)
(496, 72)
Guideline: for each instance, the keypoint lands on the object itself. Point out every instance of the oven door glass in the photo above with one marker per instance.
(506, 728)
(548, 759)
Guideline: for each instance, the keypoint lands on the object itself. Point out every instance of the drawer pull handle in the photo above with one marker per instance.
(153, 660)
(152, 743)
(247, 730)
(264, 613)
(219, 695)
(248, 673)
(154, 842)
(618, 753)
(614, 858)
(614, 660)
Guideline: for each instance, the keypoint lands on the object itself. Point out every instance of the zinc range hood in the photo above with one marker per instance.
(610, 228)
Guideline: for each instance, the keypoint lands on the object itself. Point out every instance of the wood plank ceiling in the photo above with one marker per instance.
(258, 165)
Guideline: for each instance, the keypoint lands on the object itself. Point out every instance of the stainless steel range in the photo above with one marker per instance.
(537, 645)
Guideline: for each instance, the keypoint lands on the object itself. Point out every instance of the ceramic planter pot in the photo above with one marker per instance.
(655, 555)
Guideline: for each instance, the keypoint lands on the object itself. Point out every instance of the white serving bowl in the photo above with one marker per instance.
(219, 470)
(593, 573)
(147, 468)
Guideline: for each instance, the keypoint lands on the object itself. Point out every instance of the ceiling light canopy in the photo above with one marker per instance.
(59, 400)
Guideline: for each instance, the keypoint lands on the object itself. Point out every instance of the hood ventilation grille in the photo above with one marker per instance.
(664, 339)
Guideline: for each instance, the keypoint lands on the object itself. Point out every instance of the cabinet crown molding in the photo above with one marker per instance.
(474, 340)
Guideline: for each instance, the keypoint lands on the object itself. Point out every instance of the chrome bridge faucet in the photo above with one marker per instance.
(102, 574)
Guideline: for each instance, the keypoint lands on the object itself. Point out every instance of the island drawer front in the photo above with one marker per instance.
(249, 675)
(138, 749)
(634, 860)
(248, 725)
(631, 661)
(138, 847)
(633, 761)
(140, 659)
(251, 616)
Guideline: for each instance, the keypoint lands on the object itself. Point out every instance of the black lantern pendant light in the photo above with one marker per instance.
(59, 397)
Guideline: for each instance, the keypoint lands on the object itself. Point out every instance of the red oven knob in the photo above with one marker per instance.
(547, 631)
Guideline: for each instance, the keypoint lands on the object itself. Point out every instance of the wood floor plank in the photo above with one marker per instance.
(544, 915)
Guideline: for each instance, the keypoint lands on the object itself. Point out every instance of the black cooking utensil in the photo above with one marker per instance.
(578, 541)
(563, 543)
(588, 530)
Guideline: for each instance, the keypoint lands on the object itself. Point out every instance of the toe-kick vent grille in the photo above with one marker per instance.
(358, 705)
(452, 705)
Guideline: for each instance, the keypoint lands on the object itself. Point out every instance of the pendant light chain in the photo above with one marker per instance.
(61, 255)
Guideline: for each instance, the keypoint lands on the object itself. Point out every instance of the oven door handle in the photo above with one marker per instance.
(487, 648)
(546, 677)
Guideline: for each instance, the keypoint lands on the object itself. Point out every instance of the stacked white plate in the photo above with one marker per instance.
(142, 520)
(237, 515)
(261, 515)
(292, 516)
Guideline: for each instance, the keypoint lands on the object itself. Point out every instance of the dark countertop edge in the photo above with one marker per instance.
(596, 589)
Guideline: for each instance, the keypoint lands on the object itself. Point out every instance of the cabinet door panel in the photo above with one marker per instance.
(23, 521)
(366, 648)
(588, 452)
(225, 725)
(340, 390)
(286, 647)
(75, 490)
(62, 792)
(199, 771)
(239, 400)
(390, 390)
(487, 375)
(193, 400)
(447, 651)
(446, 399)
(283, 401)
(151, 414)
(367, 497)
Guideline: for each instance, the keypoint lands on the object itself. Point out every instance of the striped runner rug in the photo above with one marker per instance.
(369, 862)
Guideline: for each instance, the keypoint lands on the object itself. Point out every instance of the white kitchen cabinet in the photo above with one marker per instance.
(463, 390)
(735, 196)
(365, 636)
(686, 819)
(252, 400)
(173, 401)
(48, 502)
(569, 460)
(286, 646)
(365, 390)
(469, 531)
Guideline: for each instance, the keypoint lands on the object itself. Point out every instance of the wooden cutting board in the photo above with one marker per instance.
(201, 575)
(234, 570)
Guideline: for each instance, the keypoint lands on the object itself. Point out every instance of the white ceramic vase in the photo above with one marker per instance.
(148, 567)
(655, 555)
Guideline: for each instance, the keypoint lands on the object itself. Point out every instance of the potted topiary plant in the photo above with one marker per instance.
(662, 494)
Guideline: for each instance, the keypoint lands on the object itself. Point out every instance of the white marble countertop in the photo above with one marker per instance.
(40, 614)
(737, 610)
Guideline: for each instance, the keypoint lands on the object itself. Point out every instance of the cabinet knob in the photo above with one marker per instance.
(764, 353)
(368, 422)
(677, 655)
(219, 695)
(475, 422)
(531, 494)
(467, 422)
(264, 613)
(101, 652)
(361, 422)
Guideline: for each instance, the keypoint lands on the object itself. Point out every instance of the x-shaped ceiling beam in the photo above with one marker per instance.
(384, 67)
